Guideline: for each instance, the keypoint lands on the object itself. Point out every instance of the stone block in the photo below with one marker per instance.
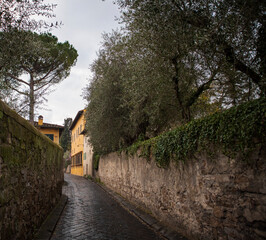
(218, 212)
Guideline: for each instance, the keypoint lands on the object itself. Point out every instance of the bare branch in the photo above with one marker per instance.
(12, 88)
(200, 90)
(18, 79)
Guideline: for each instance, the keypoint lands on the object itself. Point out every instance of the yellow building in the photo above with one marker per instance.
(77, 143)
(52, 131)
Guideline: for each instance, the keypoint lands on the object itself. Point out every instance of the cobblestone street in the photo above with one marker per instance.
(91, 213)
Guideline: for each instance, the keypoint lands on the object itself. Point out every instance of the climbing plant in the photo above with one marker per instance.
(96, 159)
(234, 131)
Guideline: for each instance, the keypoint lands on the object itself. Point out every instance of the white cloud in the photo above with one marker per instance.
(84, 22)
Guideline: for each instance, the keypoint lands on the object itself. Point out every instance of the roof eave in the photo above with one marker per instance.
(76, 119)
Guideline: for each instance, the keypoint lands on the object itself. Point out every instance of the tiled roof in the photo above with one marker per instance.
(48, 125)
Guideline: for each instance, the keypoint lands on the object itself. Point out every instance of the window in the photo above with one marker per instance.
(77, 159)
(84, 156)
(51, 136)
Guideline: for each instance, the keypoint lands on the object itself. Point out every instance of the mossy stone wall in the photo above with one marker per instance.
(204, 198)
(206, 179)
(31, 176)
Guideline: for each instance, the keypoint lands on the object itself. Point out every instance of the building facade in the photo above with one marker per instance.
(87, 157)
(81, 149)
(77, 143)
(53, 131)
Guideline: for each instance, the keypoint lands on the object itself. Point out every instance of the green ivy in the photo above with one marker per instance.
(96, 159)
(236, 130)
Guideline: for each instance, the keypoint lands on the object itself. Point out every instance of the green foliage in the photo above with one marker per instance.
(121, 105)
(98, 180)
(19, 14)
(106, 117)
(96, 160)
(67, 158)
(234, 131)
(207, 44)
(43, 62)
(173, 62)
(65, 139)
(89, 177)
(67, 163)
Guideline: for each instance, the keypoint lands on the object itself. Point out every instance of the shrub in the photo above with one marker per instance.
(236, 130)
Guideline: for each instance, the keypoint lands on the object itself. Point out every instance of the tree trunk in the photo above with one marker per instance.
(31, 114)
(185, 110)
(186, 114)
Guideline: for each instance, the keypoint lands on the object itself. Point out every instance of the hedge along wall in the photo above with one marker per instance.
(206, 179)
(31, 176)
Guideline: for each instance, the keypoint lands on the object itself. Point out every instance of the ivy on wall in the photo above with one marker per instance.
(96, 159)
(236, 130)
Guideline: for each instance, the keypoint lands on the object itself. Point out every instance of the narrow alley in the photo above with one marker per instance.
(91, 213)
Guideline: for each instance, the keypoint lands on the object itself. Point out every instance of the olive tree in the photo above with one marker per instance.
(206, 43)
(127, 99)
(106, 117)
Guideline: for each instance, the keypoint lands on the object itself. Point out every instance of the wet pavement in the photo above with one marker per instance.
(91, 213)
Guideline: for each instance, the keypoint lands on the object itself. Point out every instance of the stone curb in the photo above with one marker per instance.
(47, 228)
(149, 220)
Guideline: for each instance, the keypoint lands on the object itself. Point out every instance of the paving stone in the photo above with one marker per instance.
(92, 214)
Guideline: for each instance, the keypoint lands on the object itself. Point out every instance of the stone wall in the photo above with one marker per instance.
(218, 198)
(31, 176)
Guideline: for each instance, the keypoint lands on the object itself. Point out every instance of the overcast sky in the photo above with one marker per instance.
(84, 21)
